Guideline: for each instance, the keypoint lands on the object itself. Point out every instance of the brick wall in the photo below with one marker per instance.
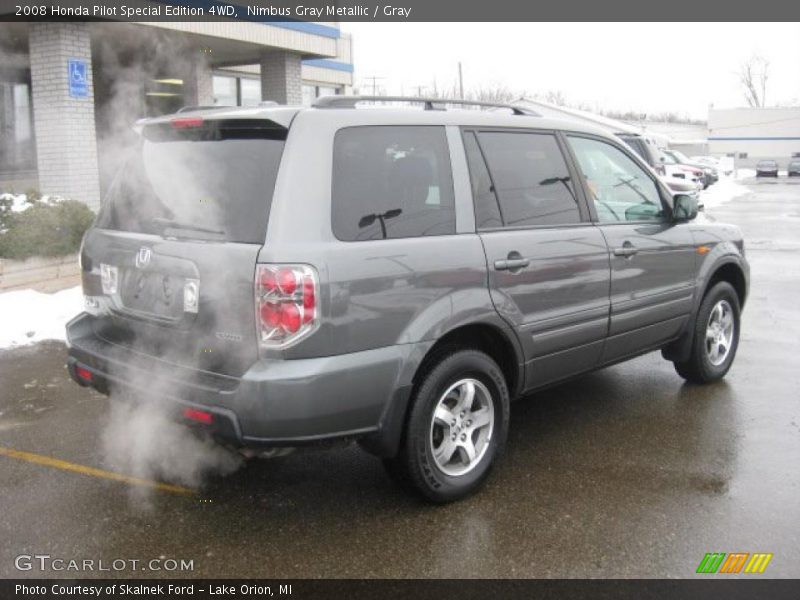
(281, 78)
(199, 85)
(65, 126)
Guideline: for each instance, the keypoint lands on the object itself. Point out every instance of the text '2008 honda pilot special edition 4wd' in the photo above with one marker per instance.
(281, 276)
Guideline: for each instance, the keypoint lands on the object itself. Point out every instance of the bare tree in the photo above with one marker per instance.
(753, 75)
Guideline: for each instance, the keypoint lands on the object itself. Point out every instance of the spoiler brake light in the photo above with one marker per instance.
(186, 122)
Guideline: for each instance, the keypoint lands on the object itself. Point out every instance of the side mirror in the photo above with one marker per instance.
(684, 207)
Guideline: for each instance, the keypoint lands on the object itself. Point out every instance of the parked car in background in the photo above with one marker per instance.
(708, 161)
(675, 179)
(709, 174)
(646, 149)
(793, 170)
(674, 170)
(766, 168)
(391, 276)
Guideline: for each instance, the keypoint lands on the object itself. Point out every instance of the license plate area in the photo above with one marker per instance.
(151, 293)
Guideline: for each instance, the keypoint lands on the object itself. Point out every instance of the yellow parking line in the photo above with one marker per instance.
(84, 470)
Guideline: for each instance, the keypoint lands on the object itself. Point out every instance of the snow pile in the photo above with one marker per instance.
(19, 202)
(726, 189)
(29, 316)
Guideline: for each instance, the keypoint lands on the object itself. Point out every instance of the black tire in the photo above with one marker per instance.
(415, 466)
(699, 368)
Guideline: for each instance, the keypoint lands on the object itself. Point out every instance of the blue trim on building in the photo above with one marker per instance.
(307, 27)
(296, 25)
(325, 63)
(753, 139)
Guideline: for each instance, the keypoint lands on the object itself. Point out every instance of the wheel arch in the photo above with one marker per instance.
(499, 343)
(730, 271)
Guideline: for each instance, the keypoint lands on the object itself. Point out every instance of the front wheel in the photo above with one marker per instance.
(715, 336)
(457, 425)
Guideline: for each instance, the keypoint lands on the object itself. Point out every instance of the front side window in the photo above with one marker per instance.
(392, 182)
(531, 179)
(621, 189)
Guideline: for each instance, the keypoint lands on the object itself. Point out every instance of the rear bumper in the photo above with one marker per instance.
(275, 403)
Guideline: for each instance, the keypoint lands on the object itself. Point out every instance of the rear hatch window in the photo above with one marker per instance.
(198, 179)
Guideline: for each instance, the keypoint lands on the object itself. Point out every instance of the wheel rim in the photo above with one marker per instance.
(461, 427)
(719, 333)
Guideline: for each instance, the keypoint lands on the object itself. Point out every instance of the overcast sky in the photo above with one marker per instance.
(653, 67)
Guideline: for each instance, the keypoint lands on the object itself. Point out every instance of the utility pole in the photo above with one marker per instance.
(460, 82)
(374, 83)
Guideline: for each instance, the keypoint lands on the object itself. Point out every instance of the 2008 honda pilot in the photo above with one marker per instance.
(284, 276)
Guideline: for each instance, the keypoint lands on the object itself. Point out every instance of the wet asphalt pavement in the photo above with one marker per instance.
(626, 472)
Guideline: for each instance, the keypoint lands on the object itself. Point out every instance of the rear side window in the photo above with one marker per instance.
(531, 179)
(392, 182)
(210, 179)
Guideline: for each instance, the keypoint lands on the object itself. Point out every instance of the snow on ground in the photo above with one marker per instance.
(19, 202)
(28, 316)
(726, 189)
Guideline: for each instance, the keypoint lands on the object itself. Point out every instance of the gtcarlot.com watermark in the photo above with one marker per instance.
(45, 562)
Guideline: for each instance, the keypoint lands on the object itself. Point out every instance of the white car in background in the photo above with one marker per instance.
(723, 165)
(674, 170)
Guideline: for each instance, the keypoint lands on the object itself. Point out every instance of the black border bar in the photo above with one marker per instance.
(737, 588)
(287, 11)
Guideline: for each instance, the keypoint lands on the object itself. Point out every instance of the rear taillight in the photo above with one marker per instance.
(287, 303)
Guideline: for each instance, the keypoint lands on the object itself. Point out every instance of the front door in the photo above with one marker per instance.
(548, 264)
(652, 257)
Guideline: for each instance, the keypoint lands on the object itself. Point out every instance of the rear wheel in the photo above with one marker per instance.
(716, 336)
(457, 425)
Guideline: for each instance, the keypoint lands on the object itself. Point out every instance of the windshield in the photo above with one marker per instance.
(680, 156)
(208, 179)
(668, 158)
(767, 163)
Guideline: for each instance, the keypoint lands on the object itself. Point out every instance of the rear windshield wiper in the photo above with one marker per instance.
(174, 224)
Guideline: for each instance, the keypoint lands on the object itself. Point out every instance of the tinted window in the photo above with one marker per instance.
(487, 213)
(620, 188)
(218, 177)
(392, 182)
(531, 178)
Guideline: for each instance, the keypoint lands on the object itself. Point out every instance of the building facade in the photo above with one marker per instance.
(751, 134)
(70, 91)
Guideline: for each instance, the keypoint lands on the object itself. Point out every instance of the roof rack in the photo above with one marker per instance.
(429, 103)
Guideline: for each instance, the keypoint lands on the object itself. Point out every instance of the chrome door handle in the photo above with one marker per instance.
(627, 250)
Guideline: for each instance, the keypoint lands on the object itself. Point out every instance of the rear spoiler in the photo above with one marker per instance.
(279, 116)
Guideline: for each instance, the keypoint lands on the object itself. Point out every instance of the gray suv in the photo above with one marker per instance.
(286, 276)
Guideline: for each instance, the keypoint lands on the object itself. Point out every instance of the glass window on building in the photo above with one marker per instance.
(225, 93)
(326, 90)
(309, 94)
(250, 91)
(16, 130)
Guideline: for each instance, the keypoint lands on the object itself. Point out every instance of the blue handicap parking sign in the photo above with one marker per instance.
(78, 74)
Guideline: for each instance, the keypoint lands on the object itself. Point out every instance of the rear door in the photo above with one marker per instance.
(177, 240)
(652, 258)
(548, 265)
